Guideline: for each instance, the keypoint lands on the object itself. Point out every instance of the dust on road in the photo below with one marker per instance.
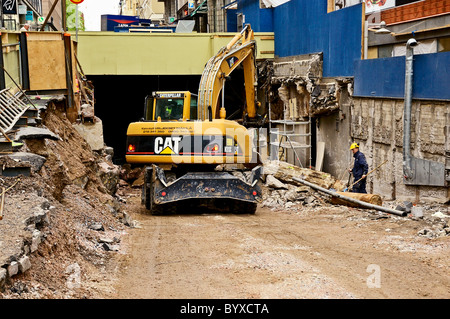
(324, 252)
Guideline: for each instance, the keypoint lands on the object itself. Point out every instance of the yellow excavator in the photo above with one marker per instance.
(194, 155)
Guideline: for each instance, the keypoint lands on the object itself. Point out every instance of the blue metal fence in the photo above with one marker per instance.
(386, 77)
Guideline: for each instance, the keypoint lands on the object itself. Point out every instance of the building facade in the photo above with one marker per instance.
(145, 9)
(15, 13)
(333, 64)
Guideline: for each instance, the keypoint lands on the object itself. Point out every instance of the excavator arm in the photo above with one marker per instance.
(239, 51)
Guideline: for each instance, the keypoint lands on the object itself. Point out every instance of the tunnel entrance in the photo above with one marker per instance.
(120, 101)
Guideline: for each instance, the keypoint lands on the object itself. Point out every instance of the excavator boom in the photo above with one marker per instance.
(239, 51)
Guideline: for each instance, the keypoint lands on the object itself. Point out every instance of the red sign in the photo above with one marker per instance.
(76, 1)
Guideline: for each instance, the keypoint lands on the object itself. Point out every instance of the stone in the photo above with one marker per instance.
(24, 264)
(109, 150)
(274, 183)
(35, 240)
(105, 240)
(408, 206)
(97, 227)
(417, 211)
(291, 195)
(109, 247)
(13, 268)
(3, 275)
(440, 215)
(110, 176)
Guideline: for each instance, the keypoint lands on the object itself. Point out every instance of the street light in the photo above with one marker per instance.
(381, 30)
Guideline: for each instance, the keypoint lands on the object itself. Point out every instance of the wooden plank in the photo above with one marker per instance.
(43, 36)
(285, 172)
(319, 155)
(47, 65)
(373, 199)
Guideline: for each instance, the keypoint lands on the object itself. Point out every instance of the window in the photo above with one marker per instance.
(193, 115)
(444, 44)
(385, 51)
(169, 109)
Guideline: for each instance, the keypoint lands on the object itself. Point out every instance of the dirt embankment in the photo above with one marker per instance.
(85, 221)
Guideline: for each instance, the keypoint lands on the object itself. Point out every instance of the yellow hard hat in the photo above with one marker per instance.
(354, 145)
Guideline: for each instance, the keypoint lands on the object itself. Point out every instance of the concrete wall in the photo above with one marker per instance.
(113, 53)
(334, 130)
(377, 124)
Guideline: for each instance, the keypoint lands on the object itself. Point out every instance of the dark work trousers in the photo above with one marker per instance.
(360, 187)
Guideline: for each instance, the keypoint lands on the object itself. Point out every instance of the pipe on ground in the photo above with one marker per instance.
(352, 200)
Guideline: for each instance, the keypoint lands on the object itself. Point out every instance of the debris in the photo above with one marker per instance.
(274, 183)
(440, 215)
(417, 212)
(97, 227)
(285, 172)
(109, 247)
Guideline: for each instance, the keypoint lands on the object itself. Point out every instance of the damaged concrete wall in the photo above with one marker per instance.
(377, 124)
(298, 91)
(334, 130)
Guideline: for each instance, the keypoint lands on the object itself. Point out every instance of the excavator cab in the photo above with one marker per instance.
(170, 106)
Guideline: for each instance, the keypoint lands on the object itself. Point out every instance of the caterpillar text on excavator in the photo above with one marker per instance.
(194, 154)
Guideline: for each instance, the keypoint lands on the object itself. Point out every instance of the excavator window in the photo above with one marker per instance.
(193, 115)
(169, 109)
(148, 111)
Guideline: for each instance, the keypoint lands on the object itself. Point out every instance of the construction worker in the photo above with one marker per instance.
(25, 27)
(359, 170)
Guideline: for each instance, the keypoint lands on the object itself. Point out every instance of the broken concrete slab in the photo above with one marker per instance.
(92, 133)
(274, 183)
(35, 133)
(35, 160)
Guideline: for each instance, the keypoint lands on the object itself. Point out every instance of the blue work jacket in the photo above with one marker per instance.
(360, 167)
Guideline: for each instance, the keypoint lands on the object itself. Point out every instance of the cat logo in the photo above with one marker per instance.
(232, 61)
(167, 146)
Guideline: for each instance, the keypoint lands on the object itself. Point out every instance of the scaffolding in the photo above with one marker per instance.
(290, 137)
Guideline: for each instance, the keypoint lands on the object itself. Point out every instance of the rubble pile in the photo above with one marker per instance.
(282, 192)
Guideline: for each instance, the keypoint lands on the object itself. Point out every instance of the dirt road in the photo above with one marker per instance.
(322, 252)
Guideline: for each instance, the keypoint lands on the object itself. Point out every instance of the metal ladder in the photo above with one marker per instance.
(11, 110)
(291, 138)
